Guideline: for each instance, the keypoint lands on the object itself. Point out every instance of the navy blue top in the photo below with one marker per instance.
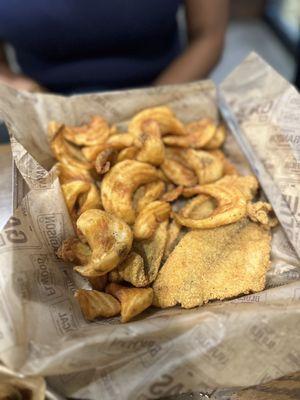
(76, 45)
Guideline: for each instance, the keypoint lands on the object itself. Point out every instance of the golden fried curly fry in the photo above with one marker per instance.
(104, 160)
(149, 217)
(178, 173)
(133, 300)
(176, 168)
(72, 250)
(129, 153)
(121, 182)
(176, 140)
(163, 115)
(147, 193)
(110, 239)
(218, 138)
(91, 152)
(152, 149)
(120, 140)
(113, 130)
(53, 128)
(248, 185)
(67, 173)
(259, 212)
(90, 199)
(172, 194)
(141, 266)
(231, 207)
(71, 191)
(164, 177)
(190, 191)
(98, 282)
(95, 132)
(152, 251)
(65, 152)
(228, 167)
(199, 207)
(207, 167)
(199, 133)
(76, 153)
(176, 154)
(96, 304)
(131, 270)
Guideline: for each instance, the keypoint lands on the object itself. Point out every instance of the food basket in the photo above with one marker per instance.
(210, 349)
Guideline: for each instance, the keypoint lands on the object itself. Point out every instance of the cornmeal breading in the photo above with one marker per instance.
(213, 264)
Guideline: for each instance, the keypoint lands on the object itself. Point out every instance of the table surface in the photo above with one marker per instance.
(5, 183)
(287, 388)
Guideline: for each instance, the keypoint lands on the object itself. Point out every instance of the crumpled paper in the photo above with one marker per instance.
(236, 343)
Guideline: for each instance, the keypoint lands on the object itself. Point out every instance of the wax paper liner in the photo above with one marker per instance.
(236, 343)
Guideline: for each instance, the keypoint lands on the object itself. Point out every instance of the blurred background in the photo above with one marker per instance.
(268, 27)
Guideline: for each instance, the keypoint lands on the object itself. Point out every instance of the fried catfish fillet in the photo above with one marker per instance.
(213, 264)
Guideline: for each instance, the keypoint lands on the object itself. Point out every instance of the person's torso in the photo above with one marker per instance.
(85, 45)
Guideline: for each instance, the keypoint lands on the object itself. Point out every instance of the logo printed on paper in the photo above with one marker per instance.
(136, 346)
(147, 350)
(165, 386)
(13, 232)
(74, 376)
(207, 343)
(62, 314)
(282, 141)
(19, 233)
(292, 166)
(40, 179)
(108, 385)
(264, 336)
(68, 282)
(45, 277)
(251, 110)
(289, 207)
(251, 298)
(51, 227)
(290, 204)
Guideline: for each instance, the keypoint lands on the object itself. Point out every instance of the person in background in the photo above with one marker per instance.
(75, 46)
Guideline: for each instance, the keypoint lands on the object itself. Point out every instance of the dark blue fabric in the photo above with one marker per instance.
(77, 45)
(4, 137)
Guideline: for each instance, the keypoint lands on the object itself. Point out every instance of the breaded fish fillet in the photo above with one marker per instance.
(214, 264)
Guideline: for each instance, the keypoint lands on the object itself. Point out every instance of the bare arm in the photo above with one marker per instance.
(10, 78)
(206, 25)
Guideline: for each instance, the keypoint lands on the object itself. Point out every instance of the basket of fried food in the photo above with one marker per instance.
(161, 215)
